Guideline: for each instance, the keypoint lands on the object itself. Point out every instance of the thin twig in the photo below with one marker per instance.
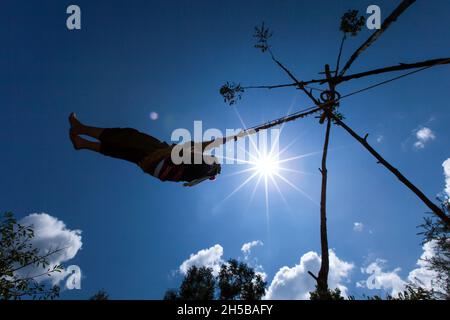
(39, 259)
(300, 85)
(339, 55)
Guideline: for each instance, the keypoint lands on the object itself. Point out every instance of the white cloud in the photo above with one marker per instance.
(296, 283)
(379, 279)
(422, 275)
(380, 138)
(253, 261)
(211, 258)
(358, 226)
(419, 145)
(247, 247)
(392, 282)
(423, 135)
(446, 166)
(262, 274)
(51, 234)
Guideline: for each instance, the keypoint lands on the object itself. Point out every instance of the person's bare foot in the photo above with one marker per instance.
(75, 124)
(75, 139)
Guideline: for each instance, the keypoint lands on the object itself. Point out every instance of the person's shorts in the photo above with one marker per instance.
(128, 144)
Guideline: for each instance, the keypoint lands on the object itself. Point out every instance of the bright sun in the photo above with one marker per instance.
(268, 168)
(266, 165)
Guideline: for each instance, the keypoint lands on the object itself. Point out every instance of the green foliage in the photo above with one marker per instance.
(16, 253)
(238, 281)
(351, 23)
(231, 92)
(262, 35)
(438, 232)
(100, 295)
(411, 292)
(198, 284)
(235, 281)
(171, 294)
(329, 295)
(338, 115)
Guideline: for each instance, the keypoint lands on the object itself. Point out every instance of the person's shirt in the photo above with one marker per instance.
(160, 165)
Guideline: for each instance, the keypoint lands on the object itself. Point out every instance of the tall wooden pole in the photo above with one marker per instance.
(322, 278)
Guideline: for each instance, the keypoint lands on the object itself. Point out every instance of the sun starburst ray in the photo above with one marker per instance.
(267, 204)
(301, 156)
(239, 172)
(252, 196)
(241, 185)
(298, 171)
(298, 189)
(280, 193)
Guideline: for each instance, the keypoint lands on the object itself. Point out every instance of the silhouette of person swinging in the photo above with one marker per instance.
(150, 154)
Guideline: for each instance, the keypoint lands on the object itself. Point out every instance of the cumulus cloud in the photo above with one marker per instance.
(262, 274)
(391, 281)
(384, 280)
(211, 258)
(423, 135)
(253, 261)
(296, 283)
(52, 234)
(247, 247)
(422, 275)
(358, 226)
(446, 166)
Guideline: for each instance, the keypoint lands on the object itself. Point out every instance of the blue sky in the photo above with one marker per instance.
(132, 58)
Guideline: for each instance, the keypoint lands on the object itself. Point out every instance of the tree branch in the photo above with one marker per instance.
(312, 275)
(399, 67)
(339, 55)
(39, 259)
(384, 26)
(339, 79)
(35, 276)
(299, 84)
(434, 208)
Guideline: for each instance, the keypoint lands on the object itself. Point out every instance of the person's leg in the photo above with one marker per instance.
(78, 128)
(122, 143)
(80, 143)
